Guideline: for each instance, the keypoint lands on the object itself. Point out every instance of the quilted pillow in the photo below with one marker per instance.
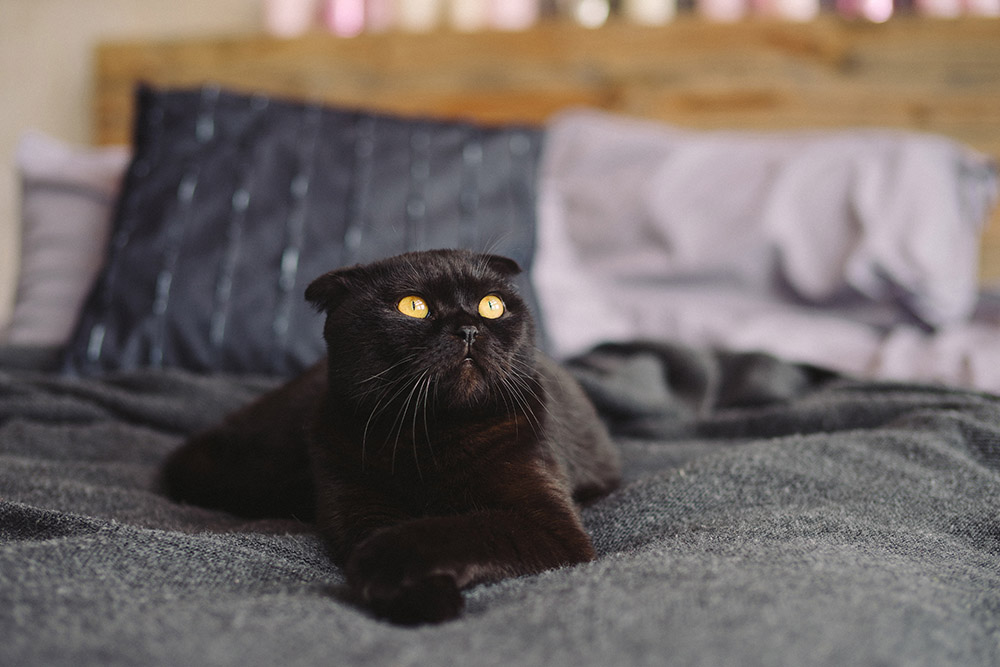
(234, 203)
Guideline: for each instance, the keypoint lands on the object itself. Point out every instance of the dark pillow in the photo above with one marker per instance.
(234, 203)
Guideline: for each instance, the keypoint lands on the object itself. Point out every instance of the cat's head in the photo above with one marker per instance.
(443, 327)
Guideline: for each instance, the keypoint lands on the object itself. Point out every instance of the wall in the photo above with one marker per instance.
(45, 72)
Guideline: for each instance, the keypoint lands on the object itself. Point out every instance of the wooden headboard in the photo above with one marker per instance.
(932, 75)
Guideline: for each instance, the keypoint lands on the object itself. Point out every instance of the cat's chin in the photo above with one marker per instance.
(468, 384)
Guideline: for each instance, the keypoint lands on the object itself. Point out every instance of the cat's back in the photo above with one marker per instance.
(575, 435)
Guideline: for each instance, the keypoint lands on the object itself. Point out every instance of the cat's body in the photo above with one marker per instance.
(434, 447)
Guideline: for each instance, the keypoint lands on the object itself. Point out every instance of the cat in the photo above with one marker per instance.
(434, 447)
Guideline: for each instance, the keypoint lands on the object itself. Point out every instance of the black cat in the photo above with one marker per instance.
(435, 447)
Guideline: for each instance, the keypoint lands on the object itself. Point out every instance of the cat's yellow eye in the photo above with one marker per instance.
(413, 306)
(491, 307)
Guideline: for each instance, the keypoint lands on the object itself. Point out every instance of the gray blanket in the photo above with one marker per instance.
(770, 515)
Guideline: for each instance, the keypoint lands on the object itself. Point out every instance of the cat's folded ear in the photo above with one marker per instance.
(505, 266)
(329, 290)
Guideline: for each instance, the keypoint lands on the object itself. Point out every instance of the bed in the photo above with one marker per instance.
(789, 330)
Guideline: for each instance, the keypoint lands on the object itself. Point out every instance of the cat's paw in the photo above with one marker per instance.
(399, 585)
(432, 599)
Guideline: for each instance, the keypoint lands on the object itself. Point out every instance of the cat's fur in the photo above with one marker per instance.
(428, 462)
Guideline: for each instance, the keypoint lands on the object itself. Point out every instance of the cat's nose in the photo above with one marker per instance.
(468, 334)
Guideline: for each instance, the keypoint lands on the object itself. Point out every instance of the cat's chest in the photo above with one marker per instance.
(428, 445)
(439, 495)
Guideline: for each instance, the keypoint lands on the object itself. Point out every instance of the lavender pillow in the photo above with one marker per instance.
(67, 200)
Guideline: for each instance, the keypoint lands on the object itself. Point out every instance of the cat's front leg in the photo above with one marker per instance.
(412, 572)
(402, 583)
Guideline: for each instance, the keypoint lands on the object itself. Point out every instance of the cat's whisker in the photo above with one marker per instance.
(383, 402)
(530, 392)
(521, 401)
(519, 407)
(382, 389)
(375, 411)
(362, 395)
(422, 397)
(431, 382)
(400, 420)
(396, 365)
(494, 243)
(511, 407)
(420, 385)
(403, 383)
(528, 380)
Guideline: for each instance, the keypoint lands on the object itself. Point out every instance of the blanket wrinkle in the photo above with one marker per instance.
(770, 514)
(24, 522)
(155, 399)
